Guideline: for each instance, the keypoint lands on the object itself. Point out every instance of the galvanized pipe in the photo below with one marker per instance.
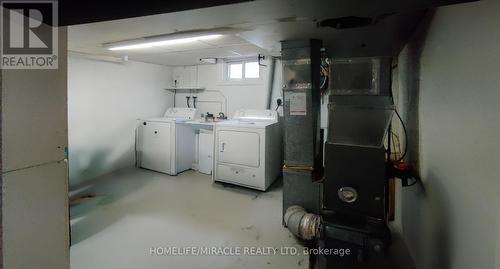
(302, 224)
(272, 69)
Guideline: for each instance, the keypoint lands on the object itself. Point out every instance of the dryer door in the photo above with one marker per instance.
(239, 147)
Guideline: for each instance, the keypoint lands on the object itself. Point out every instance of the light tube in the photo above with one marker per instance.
(151, 44)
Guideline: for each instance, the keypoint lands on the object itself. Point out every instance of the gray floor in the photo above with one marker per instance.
(137, 209)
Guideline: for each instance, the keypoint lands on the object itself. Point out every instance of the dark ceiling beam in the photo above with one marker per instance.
(73, 12)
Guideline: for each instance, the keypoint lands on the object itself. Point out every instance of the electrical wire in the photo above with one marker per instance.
(175, 90)
(324, 72)
(401, 120)
(395, 146)
(278, 104)
(406, 136)
(135, 146)
(396, 137)
(388, 149)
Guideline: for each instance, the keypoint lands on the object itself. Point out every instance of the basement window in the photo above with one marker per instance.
(242, 69)
(235, 70)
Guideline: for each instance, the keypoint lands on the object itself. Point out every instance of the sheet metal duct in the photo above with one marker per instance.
(302, 141)
(359, 120)
(301, 63)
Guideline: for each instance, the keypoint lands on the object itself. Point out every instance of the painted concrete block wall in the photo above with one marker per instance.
(453, 88)
(35, 223)
(34, 173)
(104, 101)
(237, 95)
(34, 119)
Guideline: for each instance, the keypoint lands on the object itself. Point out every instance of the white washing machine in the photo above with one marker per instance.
(248, 149)
(164, 145)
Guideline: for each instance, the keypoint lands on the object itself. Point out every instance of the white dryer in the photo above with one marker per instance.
(164, 145)
(248, 149)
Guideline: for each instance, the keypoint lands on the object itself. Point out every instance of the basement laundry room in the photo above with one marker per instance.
(251, 134)
(174, 144)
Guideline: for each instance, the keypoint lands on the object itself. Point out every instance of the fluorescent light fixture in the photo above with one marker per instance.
(97, 57)
(208, 60)
(158, 42)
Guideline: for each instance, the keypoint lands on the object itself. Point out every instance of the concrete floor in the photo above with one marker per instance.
(137, 209)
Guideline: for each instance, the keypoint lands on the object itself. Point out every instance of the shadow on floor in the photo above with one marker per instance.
(252, 193)
(88, 212)
(397, 257)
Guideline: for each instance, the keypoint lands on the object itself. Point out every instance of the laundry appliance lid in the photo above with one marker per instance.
(244, 124)
(181, 113)
(158, 119)
(255, 115)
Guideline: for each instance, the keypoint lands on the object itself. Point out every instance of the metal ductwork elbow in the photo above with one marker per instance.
(304, 225)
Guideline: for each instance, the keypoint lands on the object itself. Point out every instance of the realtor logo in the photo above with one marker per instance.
(29, 35)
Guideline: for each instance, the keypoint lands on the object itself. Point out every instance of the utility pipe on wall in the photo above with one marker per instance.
(272, 65)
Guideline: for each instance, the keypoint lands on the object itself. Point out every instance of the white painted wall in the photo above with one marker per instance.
(35, 221)
(104, 101)
(453, 220)
(237, 95)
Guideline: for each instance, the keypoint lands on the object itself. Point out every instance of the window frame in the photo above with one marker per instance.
(243, 62)
(228, 70)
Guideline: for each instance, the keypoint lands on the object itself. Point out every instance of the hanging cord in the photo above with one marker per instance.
(278, 103)
(175, 95)
(400, 119)
(135, 146)
(175, 90)
(324, 72)
(396, 146)
(406, 136)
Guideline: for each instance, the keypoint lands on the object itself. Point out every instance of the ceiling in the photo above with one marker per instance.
(227, 46)
(258, 27)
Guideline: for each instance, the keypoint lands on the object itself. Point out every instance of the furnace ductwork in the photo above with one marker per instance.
(302, 224)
